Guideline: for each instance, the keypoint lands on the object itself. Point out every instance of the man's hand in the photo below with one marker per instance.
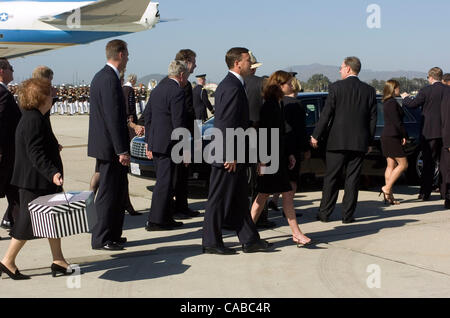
(57, 179)
(292, 162)
(124, 160)
(259, 168)
(60, 147)
(148, 153)
(314, 142)
(230, 166)
(404, 95)
(403, 141)
(139, 130)
(369, 150)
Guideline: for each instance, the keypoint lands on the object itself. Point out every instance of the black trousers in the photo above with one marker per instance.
(228, 199)
(161, 210)
(445, 173)
(109, 203)
(12, 195)
(431, 150)
(351, 162)
(181, 188)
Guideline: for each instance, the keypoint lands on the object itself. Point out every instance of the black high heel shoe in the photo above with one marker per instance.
(61, 270)
(389, 198)
(16, 276)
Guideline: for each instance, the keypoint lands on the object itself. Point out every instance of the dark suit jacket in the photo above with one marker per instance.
(231, 109)
(445, 115)
(254, 87)
(189, 107)
(130, 108)
(430, 98)
(295, 116)
(108, 132)
(9, 118)
(164, 112)
(201, 102)
(38, 159)
(393, 119)
(350, 115)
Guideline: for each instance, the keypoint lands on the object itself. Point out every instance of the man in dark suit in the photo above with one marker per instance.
(430, 99)
(108, 143)
(201, 100)
(227, 197)
(350, 118)
(164, 113)
(9, 118)
(445, 155)
(180, 205)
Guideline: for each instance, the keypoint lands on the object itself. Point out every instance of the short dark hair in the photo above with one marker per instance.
(354, 63)
(4, 64)
(185, 55)
(446, 77)
(436, 73)
(114, 47)
(233, 55)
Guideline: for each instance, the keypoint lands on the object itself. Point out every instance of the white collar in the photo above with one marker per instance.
(128, 84)
(240, 78)
(175, 81)
(115, 70)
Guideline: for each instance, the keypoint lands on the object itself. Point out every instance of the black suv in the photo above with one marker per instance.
(374, 163)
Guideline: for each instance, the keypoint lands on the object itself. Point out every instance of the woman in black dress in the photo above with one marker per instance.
(38, 171)
(393, 139)
(295, 122)
(272, 117)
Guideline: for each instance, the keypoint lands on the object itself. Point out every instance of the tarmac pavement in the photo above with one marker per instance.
(391, 251)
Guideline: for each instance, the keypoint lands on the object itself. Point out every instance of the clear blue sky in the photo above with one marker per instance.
(281, 33)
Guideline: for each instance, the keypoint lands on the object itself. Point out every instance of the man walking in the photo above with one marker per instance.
(9, 119)
(164, 113)
(430, 99)
(227, 197)
(201, 100)
(349, 118)
(108, 143)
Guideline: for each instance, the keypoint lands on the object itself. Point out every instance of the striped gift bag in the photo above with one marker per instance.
(53, 217)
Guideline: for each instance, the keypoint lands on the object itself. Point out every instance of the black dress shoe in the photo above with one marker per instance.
(447, 203)
(7, 225)
(163, 227)
(265, 224)
(191, 213)
(352, 220)
(174, 223)
(259, 246)
(122, 240)
(181, 216)
(221, 250)
(56, 269)
(110, 247)
(273, 206)
(325, 220)
(424, 197)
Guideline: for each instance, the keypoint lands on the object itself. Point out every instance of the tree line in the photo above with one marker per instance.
(320, 83)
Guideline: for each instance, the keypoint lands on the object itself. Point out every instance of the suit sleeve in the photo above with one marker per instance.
(34, 146)
(177, 109)
(373, 115)
(327, 114)
(205, 100)
(3, 119)
(148, 121)
(115, 118)
(415, 102)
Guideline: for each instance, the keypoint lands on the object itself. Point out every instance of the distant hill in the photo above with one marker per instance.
(332, 72)
(146, 79)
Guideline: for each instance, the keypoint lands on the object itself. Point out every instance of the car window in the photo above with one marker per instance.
(311, 108)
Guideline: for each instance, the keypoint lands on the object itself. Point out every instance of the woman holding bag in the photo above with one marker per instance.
(38, 171)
